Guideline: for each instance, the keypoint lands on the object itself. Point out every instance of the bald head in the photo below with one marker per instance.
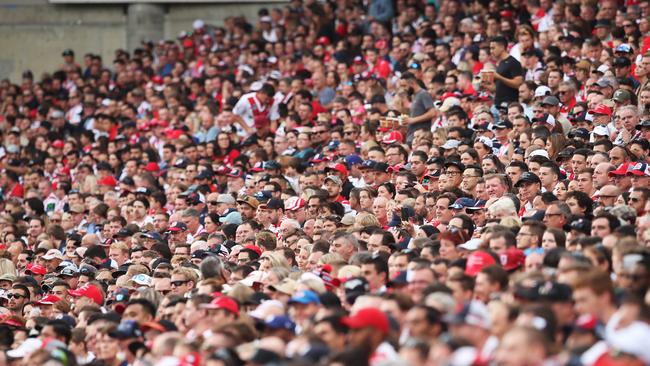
(89, 240)
(601, 176)
(608, 194)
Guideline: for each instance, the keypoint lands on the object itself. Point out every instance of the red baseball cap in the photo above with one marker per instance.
(477, 261)
(367, 318)
(36, 269)
(621, 170)
(89, 291)
(324, 41)
(601, 109)
(152, 166)
(254, 248)
(108, 180)
(58, 144)
(48, 300)
(223, 302)
(338, 167)
(393, 137)
(512, 259)
(174, 134)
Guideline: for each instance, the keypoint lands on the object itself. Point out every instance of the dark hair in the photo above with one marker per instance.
(500, 40)
(611, 219)
(584, 201)
(147, 305)
(468, 223)
(61, 329)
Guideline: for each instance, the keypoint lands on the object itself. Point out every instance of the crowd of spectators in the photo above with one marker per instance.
(336, 183)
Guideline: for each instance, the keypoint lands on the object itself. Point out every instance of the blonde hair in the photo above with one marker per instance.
(334, 260)
(121, 246)
(7, 267)
(365, 219)
(240, 292)
(277, 259)
(189, 274)
(348, 271)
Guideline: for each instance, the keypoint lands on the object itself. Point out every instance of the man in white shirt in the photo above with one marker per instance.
(253, 104)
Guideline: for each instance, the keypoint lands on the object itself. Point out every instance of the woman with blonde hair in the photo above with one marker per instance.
(365, 219)
(270, 260)
(7, 267)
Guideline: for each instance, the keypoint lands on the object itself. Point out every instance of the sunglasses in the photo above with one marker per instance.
(214, 203)
(15, 296)
(178, 283)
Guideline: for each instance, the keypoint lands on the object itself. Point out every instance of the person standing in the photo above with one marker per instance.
(509, 74)
(422, 110)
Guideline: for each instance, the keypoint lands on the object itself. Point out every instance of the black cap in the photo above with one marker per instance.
(503, 124)
(582, 225)
(381, 167)
(603, 23)
(580, 133)
(204, 174)
(554, 292)
(355, 287)
(67, 52)
(528, 177)
(455, 163)
(544, 291)
(621, 62)
(201, 254)
(123, 233)
(272, 204)
(181, 163)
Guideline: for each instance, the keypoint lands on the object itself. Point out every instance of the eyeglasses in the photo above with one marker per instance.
(178, 283)
(160, 275)
(214, 203)
(319, 132)
(452, 172)
(552, 214)
(15, 296)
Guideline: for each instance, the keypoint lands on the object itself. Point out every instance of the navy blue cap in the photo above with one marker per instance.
(353, 159)
(368, 164)
(280, 322)
(126, 329)
(271, 165)
(461, 203)
(382, 167)
(263, 196)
